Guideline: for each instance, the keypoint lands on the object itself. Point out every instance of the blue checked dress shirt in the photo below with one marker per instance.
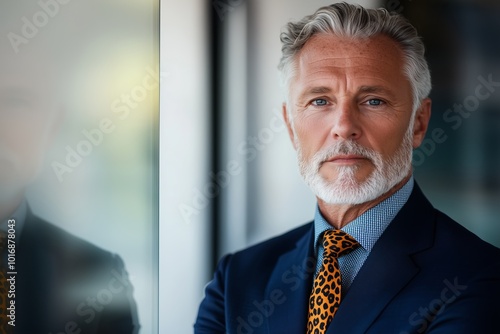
(366, 229)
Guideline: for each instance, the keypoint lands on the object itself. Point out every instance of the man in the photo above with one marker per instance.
(378, 258)
(50, 280)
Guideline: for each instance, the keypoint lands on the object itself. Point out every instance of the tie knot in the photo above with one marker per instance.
(338, 243)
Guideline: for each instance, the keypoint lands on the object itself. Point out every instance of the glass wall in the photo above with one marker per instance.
(78, 160)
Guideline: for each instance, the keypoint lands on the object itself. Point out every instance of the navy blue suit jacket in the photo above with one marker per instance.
(426, 274)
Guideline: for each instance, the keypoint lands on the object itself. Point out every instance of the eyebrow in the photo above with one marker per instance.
(318, 90)
(313, 91)
(376, 90)
(362, 90)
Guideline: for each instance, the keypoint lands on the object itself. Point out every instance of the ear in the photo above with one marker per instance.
(422, 117)
(288, 123)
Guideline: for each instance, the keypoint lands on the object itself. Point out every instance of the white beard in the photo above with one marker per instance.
(346, 189)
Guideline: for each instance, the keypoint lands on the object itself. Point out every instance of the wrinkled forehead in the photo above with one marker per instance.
(350, 63)
(378, 51)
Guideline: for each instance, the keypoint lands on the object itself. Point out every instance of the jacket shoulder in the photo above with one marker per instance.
(455, 236)
(41, 236)
(64, 257)
(458, 251)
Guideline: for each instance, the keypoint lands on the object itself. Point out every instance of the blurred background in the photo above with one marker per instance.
(90, 65)
(230, 178)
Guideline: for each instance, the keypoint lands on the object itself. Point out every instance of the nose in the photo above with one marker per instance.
(346, 123)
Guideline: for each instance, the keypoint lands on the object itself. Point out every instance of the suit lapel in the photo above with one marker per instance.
(388, 268)
(293, 277)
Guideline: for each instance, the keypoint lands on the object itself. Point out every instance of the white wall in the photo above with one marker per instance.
(183, 162)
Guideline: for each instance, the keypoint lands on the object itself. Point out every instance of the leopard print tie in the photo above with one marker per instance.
(326, 294)
(5, 328)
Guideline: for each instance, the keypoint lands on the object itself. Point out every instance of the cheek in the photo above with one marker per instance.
(385, 137)
(311, 135)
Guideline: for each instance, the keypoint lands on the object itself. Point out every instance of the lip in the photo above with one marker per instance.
(347, 159)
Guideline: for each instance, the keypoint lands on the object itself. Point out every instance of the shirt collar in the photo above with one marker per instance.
(368, 227)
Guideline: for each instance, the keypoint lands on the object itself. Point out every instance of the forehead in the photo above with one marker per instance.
(326, 56)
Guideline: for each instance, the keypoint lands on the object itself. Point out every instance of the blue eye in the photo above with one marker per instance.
(320, 102)
(375, 102)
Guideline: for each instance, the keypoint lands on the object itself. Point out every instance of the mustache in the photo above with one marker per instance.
(346, 147)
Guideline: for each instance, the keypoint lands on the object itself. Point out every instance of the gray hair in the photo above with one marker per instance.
(355, 21)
